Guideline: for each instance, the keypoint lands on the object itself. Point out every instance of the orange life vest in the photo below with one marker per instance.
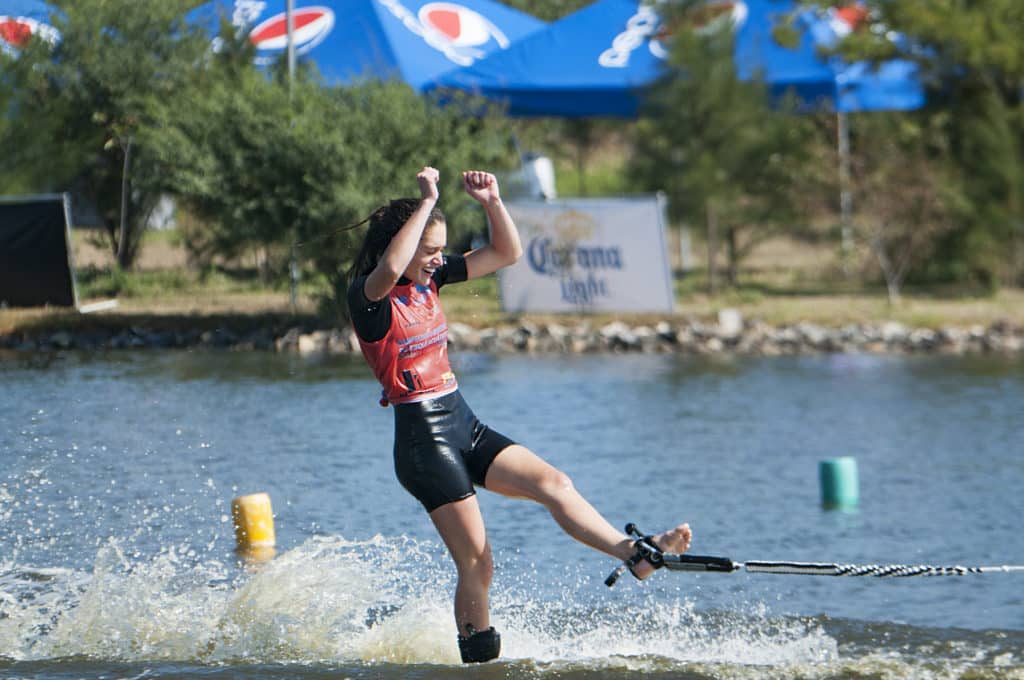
(411, 360)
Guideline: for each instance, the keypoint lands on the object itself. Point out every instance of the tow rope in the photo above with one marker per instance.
(705, 563)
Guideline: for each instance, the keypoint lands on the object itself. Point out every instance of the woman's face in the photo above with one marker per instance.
(428, 254)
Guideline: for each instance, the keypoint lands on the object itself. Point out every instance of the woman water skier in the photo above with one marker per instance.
(441, 450)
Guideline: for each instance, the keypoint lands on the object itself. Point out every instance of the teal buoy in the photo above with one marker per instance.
(839, 483)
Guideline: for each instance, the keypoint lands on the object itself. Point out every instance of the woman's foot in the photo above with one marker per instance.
(672, 541)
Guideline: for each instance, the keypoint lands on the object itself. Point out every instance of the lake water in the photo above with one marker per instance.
(118, 470)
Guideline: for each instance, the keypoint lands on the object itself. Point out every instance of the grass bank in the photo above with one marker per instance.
(783, 283)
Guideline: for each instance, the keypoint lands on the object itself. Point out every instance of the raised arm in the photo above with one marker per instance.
(402, 248)
(504, 248)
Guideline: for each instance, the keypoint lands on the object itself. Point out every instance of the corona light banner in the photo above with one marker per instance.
(589, 255)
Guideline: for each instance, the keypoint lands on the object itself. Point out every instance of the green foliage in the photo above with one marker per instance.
(951, 36)
(906, 201)
(724, 155)
(101, 283)
(988, 143)
(593, 156)
(266, 164)
(973, 60)
(131, 92)
(74, 110)
(608, 178)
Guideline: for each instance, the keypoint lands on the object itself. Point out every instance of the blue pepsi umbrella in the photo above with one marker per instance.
(598, 60)
(33, 9)
(816, 79)
(348, 40)
(410, 40)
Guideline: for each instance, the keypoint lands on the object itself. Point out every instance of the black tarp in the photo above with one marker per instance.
(35, 266)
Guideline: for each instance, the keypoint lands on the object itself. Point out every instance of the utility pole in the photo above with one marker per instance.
(293, 263)
(845, 194)
(290, 18)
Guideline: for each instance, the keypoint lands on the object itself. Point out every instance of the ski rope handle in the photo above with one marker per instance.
(647, 549)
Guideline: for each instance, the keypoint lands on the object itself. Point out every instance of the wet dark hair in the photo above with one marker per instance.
(385, 222)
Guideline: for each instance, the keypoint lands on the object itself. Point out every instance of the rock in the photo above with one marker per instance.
(288, 341)
(922, 339)
(613, 330)
(62, 339)
(646, 339)
(787, 336)
(730, 323)
(665, 332)
(560, 337)
(893, 332)
(1001, 327)
(714, 345)
(459, 334)
(813, 335)
(730, 334)
(617, 336)
(220, 337)
(488, 339)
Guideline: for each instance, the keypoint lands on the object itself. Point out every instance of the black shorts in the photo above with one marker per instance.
(442, 450)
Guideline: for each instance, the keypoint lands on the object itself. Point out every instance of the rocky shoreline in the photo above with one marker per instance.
(730, 335)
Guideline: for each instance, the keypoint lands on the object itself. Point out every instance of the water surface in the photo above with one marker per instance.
(118, 472)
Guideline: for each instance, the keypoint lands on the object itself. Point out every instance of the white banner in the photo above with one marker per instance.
(589, 255)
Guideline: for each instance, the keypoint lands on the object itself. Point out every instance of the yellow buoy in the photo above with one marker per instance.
(254, 526)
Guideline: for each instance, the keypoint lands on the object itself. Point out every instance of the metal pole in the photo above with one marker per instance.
(290, 17)
(293, 265)
(122, 239)
(293, 277)
(845, 195)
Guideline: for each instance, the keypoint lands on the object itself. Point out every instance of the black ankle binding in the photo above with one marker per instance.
(646, 551)
(480, 646)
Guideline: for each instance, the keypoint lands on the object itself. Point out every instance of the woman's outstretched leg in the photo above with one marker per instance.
(520, 473)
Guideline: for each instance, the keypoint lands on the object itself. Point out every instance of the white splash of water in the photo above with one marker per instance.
(332, 600)
(673, 630)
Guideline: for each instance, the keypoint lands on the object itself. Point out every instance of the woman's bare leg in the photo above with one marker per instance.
(520, 473)
(461, 527)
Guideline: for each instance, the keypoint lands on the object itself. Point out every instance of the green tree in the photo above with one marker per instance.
(724, 155)
(77, 108)
(266, 164)
(972, 57)
(905, 197)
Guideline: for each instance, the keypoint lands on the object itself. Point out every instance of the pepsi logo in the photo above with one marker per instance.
(705, 18)
(848, 18)
(15, 32)
(459, 33)
(310, 26)
(646, 26)
(461, 26)
(640, 27)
